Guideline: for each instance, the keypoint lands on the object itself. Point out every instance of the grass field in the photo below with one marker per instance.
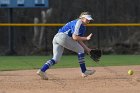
(35, 62)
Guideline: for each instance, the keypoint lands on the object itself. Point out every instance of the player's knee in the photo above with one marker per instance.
(81, 56)
(81, 50)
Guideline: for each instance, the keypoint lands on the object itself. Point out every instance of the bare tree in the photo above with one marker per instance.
(39, 38)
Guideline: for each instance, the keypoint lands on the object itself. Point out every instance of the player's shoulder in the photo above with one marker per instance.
(74, 22)
(77, 21)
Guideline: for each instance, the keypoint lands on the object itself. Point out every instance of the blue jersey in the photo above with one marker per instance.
(74, 27)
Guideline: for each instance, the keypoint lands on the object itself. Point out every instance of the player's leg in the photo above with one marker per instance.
(70, 44)
(81, 59)
(57, 53)
(76, 47)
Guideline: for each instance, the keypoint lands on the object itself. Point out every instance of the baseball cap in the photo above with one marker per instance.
(88, 17)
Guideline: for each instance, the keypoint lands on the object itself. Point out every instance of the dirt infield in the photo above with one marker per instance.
(69, 80)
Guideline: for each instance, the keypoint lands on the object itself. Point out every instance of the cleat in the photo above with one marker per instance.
(43, 75)
(88, 72)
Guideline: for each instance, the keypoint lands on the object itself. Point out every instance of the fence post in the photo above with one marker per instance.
(98, 39)
(11, 50)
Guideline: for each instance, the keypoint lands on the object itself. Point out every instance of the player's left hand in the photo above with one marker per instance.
(95, 54)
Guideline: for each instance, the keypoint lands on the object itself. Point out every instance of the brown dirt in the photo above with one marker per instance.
(106, 80)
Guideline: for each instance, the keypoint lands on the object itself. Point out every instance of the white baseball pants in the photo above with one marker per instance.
(61, 41)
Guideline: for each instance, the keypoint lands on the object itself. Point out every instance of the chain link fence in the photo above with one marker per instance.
(38, 40)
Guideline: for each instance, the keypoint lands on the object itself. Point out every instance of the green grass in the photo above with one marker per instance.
(35, 62)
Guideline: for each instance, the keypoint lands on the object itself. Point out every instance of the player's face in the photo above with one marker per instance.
(85, 21)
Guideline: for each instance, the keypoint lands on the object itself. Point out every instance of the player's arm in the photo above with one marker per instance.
(84, 46)
(78, 38)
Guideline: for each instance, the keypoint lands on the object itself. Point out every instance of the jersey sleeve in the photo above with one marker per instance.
(77, 27)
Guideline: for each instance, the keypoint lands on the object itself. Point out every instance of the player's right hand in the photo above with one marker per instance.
(89, 36)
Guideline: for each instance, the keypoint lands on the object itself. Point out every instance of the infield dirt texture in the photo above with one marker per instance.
(106, 80)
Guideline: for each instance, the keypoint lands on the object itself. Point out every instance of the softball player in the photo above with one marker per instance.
(70, 36)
